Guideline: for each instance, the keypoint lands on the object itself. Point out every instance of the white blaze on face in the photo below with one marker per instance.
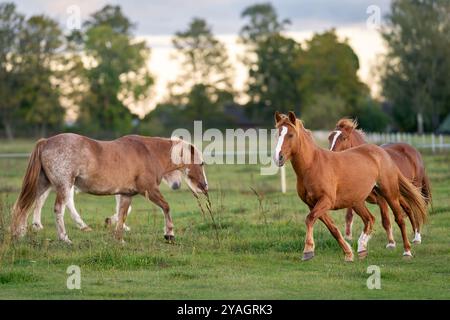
(204, 177)
(284, 130)
(336, 136)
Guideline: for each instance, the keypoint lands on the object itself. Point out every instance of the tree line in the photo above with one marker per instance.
(99, 72)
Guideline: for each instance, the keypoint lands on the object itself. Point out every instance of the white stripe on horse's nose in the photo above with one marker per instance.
(280, 144)
(336, 136)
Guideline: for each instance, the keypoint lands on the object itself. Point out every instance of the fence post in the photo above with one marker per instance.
(441, 142)
(283, 179)
(433, 143)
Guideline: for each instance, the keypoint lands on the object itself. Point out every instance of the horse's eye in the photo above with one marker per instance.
(290, 135)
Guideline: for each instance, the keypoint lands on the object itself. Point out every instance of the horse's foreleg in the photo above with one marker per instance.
(368, 220)
(326, 219)
(386, 221)
(156, 197)
(319, 209)
(37, 223)
(125, 202)
(74, 213)
(348, 224)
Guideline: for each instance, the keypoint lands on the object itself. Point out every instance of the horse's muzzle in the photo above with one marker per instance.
(175, 186)
(279, 161)
(203, 187)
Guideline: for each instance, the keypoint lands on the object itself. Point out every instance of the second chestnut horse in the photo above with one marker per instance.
(408, 160)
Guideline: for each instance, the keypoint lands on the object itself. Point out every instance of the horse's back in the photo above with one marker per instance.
(407, 159)
(96, 165)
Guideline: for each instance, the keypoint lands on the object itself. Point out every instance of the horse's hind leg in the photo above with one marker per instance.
(384, 211)
(62, 197)
(368, 220)
(417, 237)
(42, 194)
(37, 222)
(74, 213)
(326, 219)
(348, 224)
(398, 214)
(115, 217)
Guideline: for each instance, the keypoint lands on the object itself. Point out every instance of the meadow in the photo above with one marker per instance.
(251, 252)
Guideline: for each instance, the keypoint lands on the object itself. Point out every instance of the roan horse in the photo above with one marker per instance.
(126, 166)
(172, 179)
(335, 180)
(408, 160)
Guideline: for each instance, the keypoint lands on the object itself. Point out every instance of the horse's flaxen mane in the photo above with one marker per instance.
(298, 125)
(181, 152)
(350, 124)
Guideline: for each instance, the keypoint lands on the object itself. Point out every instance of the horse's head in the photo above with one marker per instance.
(173, 179)
(340, 138)
(288, 137)
(190, 162)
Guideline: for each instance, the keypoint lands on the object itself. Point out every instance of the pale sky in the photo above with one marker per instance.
(157, 21)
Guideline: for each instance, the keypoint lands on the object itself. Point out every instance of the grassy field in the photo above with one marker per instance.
(255, 253)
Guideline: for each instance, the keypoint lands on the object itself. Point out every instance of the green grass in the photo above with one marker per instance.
(256, 257)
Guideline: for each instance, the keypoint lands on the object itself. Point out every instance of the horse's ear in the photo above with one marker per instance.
(277, 117)
(292, 117)
(347, 131)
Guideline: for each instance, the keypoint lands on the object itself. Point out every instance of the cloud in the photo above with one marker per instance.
(168, 16)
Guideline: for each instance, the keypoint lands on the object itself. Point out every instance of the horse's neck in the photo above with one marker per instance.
(305, 155)
(163, 148)
(357, 139)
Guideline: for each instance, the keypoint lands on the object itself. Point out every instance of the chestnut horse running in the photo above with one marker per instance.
(335, 180)
(126, 166)
(408, 160)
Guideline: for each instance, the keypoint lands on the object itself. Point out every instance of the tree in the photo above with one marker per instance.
(271, 59)
(40, 42)
(205, 82)
(263, 23)
(331, 66)
(11, 25)
(417, 64)
(117, 75)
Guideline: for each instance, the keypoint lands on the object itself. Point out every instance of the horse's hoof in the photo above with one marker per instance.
(86, 229)
(37, 226)
(407, 255)
(390, 245)
(169, 238)
(415, 241)
(308, 256)
(126, 228)
(349, 258)
(362, 254)
(67, 241)
(349, 238)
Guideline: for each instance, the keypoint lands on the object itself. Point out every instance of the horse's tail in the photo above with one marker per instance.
(426, 190)
(28, 192)
(413, 198)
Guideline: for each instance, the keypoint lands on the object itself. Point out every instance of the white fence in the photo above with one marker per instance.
(425, 141)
